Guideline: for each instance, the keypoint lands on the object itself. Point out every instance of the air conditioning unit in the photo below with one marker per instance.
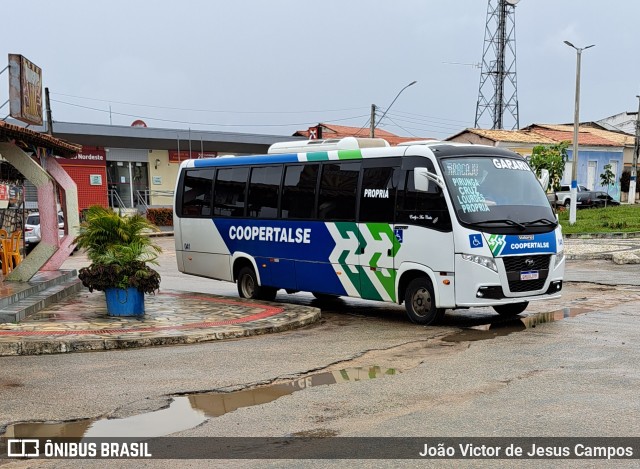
(346, 143)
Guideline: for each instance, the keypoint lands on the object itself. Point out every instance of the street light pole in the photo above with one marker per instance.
(634, 166)
(373, 127)
(576, 124)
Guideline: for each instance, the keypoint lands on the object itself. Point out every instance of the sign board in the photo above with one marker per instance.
(25, 90)
(157, 180)
(4, 196)
(95, 179)
(183, 155)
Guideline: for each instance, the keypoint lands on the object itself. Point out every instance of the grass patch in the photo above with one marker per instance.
(620, 219)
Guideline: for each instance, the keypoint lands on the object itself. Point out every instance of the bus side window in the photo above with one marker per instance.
(264, 186)
(338, 191)
(196, 193)
(230, 192)
(378, 194)
(427, 209)
(299, 191)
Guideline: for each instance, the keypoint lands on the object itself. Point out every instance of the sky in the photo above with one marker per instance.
(277, 66)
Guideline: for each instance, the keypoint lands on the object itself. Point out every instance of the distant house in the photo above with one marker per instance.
(596, 148)
(325, 131)
(622, 122)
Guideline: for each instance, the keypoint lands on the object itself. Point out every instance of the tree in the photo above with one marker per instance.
(607, 178)
(552, 158)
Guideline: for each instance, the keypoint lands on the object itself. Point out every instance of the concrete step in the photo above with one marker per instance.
(39, 300)
(12, 292)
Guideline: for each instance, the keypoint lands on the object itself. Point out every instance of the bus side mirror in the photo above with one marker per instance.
(421, 179)
(544, 179)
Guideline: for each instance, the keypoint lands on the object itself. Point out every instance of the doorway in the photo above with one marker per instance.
(128, 184)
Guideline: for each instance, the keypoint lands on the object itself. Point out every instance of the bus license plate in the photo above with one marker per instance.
(529, 275)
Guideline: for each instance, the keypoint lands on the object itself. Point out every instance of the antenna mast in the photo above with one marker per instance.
(498, 91)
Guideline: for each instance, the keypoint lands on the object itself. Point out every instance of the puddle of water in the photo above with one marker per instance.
(188, 411)
(516, 324)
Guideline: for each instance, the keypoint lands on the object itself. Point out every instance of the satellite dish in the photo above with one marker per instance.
(511, 2)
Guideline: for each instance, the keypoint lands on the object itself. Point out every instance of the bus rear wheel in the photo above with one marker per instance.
(248, 286)
(511, 309)
(420, 304)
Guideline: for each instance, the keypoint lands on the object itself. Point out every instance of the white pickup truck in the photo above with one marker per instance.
(564, 194)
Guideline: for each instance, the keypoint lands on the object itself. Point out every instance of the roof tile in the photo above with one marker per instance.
(340, 131)
(31, 137)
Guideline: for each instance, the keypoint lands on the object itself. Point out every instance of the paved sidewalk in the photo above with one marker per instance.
(81, 323)
(618, 250)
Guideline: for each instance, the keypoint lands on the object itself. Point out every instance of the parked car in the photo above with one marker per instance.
(32, 233)
(602, 199)
(564, 194)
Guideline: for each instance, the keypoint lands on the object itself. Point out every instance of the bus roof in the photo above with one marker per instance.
(436, 148)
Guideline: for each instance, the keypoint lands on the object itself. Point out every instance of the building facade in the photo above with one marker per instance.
(136, 167)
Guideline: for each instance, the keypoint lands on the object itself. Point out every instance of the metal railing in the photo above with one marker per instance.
(115, 200)
(143, 197)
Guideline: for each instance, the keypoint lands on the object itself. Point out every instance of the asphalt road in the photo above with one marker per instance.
(573, 376)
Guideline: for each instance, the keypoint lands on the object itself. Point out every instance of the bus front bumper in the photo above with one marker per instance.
(477, 285)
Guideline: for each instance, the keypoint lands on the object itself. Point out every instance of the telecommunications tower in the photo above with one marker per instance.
(498, 91)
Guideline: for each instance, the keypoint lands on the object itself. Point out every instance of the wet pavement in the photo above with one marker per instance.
(188, 411)
(81, 323)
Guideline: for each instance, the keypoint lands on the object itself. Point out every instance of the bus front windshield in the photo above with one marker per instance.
(498, 194)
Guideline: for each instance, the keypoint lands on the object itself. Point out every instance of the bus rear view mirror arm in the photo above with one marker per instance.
(422, 178)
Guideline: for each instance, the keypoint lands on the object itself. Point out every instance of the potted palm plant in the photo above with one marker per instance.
(120, 250)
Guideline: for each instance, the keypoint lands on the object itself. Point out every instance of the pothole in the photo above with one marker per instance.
(189, 411)
(509, 326)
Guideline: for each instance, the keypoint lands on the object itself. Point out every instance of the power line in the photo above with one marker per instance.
(137, 116)
(444, 126)
(398, 125)
(431, 117)
(205, 110)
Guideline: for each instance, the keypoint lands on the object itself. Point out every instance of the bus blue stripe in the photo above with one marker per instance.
(242, 160)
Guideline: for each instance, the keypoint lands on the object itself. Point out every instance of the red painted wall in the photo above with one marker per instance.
(92, 161)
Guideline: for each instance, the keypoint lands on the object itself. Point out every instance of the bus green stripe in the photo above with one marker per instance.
(318, 156)
(349, 155)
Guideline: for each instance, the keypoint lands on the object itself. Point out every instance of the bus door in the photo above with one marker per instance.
(379, 240)
(336, 208)
(423, 227)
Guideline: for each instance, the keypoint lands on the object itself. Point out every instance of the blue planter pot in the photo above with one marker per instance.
(121, 302)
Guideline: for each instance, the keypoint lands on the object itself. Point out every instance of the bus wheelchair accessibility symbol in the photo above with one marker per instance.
(475, 240)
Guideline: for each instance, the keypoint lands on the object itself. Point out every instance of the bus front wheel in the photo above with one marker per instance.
(511, 309)
(248, 286)
(420, 302)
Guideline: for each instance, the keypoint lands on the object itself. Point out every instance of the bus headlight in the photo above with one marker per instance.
(559, 259)
(487, 262)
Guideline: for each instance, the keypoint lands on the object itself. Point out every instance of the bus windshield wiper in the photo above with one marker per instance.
(542, 221)
(506, 221)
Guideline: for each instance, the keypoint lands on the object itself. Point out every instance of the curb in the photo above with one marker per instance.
(261, 318)
(47, 347)
(617, 235)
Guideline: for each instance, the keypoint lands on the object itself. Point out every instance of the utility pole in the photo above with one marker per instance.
(49, 119)
(372, 128)
(576, 125)
(634, 166)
